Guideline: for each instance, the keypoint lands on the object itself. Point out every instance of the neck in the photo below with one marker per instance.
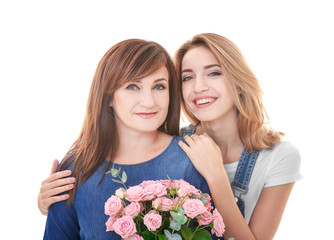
(225, 133)
(139, 147)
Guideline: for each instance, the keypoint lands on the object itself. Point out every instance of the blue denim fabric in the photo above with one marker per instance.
(85, 218)
(242, 176)
(188, 131)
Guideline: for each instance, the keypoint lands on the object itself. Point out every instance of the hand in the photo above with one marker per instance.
(204, 154)
(57, 182)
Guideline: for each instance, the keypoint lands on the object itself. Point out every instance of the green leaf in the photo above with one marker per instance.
(180, 210)
(118, 181)
(175, 226)
(202, 235)
(187, 234)
(162, 237)
(115, 172)
(178, 217)
(124, 177)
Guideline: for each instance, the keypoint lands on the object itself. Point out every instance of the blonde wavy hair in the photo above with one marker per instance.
(254, 131)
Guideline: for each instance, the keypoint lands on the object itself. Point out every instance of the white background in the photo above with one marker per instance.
(49, 51)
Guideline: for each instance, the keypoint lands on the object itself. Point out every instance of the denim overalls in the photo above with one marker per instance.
(243, 173)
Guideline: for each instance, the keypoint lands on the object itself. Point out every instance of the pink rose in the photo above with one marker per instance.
(144, 184)
(113, 206)
(135, 237)
(176, 183)
(166, 204)
(205, 218)
(194, 191)
(163, 203)
(218, 224)
(156, 203)
(193, 207)
(166, 183)
(110, 222)
(133, 209)
(152, 220)
(135, 194)
(125, 226)
(184, 189)
(154, 190)
(120, 193)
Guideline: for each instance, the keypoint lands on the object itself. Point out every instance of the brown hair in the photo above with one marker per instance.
(243, 86)
(126, 61)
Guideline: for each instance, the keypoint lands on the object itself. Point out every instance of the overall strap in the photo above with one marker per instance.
(243, 175)
(188, 131)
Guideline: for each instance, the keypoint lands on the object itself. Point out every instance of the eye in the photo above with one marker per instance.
(186, 78)
(215, 73)
(132, 87)
(159, 87)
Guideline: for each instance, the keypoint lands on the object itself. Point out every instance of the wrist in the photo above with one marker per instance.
(219, 175)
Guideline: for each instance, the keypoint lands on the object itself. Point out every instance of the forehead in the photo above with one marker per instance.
(199, 56)
(159, 75)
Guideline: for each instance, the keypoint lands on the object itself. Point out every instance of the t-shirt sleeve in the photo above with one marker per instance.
(62, 223)
(284, 167)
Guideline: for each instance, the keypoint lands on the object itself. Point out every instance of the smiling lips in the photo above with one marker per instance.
(202, 102)
(146, 115)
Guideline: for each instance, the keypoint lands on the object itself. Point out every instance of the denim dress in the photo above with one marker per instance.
(85, 218)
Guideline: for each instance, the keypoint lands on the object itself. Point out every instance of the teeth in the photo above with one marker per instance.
(204, 100)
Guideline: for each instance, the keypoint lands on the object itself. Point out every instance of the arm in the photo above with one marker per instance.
(268, 210)
(62, 223)
(56, 183)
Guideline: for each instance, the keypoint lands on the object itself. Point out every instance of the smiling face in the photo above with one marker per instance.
(204, 87)
(142, 105)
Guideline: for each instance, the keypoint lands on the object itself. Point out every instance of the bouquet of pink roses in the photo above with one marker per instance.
(165, 209)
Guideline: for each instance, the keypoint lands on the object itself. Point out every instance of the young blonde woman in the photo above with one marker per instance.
(249, 169)
(133, 109)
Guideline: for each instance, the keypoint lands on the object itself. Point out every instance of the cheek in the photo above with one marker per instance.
(185, 92)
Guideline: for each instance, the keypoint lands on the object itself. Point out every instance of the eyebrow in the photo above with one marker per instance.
(205, 67)
(160, 80)
(155, 81)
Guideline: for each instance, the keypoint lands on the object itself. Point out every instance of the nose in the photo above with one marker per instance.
(147, 100)
(200, 85)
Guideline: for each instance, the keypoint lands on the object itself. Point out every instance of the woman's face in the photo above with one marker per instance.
(142, 106)
(204, 87)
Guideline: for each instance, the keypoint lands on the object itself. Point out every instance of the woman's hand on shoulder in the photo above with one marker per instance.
(56, 183)
(204, 154)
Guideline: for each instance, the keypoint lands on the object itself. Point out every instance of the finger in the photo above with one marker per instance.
(58, 198)
(57, 176)
(189, 140)
(45, 204)
(54, 166)
(56, 191)
(59, 183)
(196, 138)
(184, 146)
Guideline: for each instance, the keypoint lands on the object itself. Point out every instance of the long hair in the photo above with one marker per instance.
(126, 61)
(244, 88)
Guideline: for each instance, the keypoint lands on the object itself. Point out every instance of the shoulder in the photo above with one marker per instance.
(281, 164)
(281, 150)
(174, 148)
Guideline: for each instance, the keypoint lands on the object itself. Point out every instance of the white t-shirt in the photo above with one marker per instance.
(275, 166)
